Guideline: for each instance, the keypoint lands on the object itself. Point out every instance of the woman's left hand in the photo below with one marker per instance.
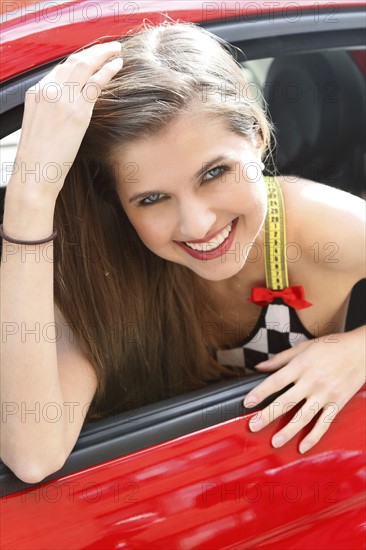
(326, 372)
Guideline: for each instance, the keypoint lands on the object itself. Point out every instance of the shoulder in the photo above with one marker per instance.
(313, 195)
(327, 222)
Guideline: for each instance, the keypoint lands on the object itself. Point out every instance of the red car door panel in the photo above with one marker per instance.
(220, 487)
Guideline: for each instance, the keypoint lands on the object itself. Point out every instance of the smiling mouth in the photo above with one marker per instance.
(215, 247)
(213, 243)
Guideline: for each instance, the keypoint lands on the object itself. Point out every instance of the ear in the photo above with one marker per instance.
(258, 143)
(258, 149)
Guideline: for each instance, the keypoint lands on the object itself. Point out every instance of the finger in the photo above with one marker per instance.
(85, 64)
(276, 408)
(322, 425)
(80, 66)
(94, 87)
(306, 414)
(281, 359)
(68, 80)
(100, 79)
(271, 385)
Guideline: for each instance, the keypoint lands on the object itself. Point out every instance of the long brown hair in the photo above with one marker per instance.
(140, 319)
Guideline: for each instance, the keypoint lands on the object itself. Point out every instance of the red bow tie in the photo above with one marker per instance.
(293, 296)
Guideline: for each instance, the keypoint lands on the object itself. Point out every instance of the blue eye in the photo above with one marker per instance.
(151, 199)
(215, 172)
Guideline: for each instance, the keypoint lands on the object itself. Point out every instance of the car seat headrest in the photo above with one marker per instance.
(317, 104)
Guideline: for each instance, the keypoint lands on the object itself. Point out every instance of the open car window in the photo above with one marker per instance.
(317, 76)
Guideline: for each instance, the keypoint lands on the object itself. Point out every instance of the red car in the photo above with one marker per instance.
(187, 473)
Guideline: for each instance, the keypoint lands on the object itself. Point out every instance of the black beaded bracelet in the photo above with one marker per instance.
(19, 241)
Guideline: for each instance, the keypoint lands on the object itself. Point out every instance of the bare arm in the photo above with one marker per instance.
(46, 383)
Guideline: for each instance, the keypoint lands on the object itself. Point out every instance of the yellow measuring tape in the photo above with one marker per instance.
(275, 237)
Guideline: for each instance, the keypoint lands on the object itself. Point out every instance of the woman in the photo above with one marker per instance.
(150, 175)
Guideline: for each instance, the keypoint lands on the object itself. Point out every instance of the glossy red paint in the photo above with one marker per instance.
(34, 33)
(219, 488)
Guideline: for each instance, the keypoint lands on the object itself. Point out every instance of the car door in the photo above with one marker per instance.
(187, 472)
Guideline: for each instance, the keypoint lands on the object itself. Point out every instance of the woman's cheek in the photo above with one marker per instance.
(155, 233)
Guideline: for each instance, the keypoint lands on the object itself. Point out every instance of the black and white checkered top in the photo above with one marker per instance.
(278, 328)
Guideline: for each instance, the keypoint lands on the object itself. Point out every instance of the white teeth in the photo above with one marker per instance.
(214, 243)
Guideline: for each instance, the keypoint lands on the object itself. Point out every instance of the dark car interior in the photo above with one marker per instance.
(317, 103)
(314, 86)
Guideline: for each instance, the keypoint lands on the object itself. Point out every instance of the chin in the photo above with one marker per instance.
(222, 272)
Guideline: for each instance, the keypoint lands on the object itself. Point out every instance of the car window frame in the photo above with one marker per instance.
(145, 427)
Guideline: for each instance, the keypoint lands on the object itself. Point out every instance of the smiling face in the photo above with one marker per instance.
(195, 194)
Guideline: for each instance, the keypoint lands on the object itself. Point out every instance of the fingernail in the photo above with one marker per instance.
(304, 447)
(278, 441)
(264, 364)
(250, 402)
(256, 425)
(116, 63)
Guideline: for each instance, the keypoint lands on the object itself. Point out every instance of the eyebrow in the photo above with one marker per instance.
(206, 166)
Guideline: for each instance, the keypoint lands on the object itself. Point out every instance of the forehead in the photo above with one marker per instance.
(181, 149)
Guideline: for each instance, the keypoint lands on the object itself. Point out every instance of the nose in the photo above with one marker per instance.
(196, 219)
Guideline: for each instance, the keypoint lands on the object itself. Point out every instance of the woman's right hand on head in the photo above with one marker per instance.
(57, 113)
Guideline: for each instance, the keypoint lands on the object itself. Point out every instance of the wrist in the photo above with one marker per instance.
(27, 216)
(28, 241)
